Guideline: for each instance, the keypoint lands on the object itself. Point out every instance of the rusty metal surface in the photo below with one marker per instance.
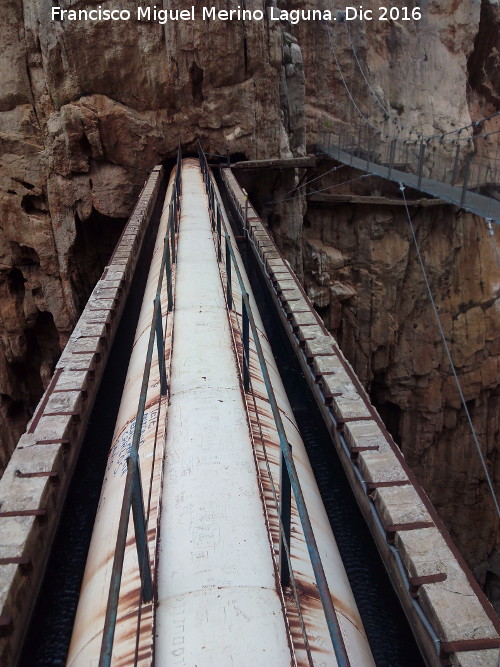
(267, 445)
(268, 454)
(219, 598)
(134, 635)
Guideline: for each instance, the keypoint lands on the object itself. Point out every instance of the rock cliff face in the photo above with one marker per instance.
(362, 272)
(86, 110)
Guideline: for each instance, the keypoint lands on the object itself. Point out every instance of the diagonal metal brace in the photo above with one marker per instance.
(286, 518)
(229, 288)
(140, 535)
(161, 348)
(246, 341)
(172, 221)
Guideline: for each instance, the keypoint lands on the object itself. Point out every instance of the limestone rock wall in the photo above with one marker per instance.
(360, 268)
(362, 272)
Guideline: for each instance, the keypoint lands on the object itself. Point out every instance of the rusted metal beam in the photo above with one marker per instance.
(470, 645)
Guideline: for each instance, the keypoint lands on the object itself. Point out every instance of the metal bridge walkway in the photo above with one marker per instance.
(486, 207)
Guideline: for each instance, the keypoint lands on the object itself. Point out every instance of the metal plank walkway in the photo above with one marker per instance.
(486, 207)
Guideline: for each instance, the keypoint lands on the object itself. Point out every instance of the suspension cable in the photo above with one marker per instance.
(448, 353)
(301, 185)
(372, 91)
(491, 234)
(313, 192)
(421, 136)
(374, 127)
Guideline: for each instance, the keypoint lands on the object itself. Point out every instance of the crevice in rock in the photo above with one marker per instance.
(390, 412)
(245, 41)
(94, 243)
(33, 205)
(42, 352)
(483, 64)
(492, 589)
(85, 145)
(29, 374)
(15, 414)
(15, 283)
(196, 76)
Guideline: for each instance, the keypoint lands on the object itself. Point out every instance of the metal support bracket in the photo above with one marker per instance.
(285, 518)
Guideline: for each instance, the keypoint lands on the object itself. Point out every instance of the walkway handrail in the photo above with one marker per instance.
(319, 573)
(471, 162)
(436, 642)
(132, 493)
(459, 176)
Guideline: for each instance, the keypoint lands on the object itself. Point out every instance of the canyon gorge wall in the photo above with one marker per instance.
(87, 110)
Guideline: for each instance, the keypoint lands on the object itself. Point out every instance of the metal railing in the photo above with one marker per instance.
(288, 474)
(132, 493)
(468, 166)
(242, 213)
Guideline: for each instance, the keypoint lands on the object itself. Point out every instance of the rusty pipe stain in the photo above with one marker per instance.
(266, 435)
(87, 632)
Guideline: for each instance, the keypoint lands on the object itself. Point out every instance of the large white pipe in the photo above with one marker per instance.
(218, 602)
(218, 594)
(311, 609)
(87, 631)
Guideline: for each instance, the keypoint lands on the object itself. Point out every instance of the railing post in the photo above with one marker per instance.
(245, 221)
(140, 529)
(178, 174)
(455, 165)
(406, 155)
(172, 216)
(177, 199)
(479, 171)
(421, 164)
(168, 271)
(466, 178)
(219, 240)
(285, 510)
(391, 158)
(246, 342)
(229, 290)
(159, 345)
